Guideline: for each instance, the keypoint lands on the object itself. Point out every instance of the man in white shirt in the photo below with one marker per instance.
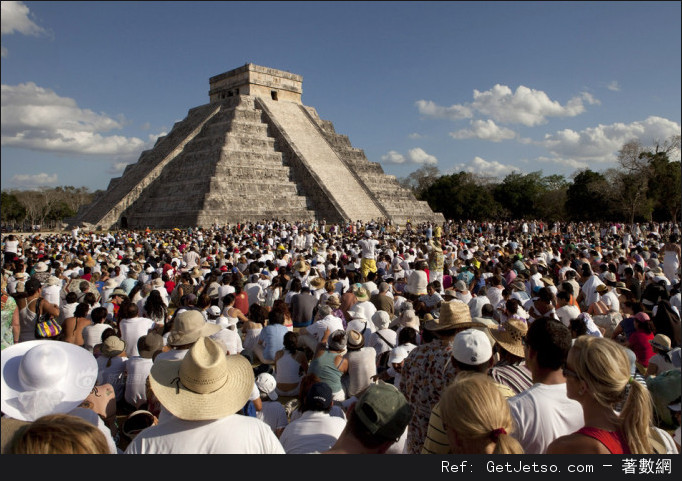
(133, 328)
(254, 290)
(311, 335)
(588, 292)
(544, 412)
(191, 257)
(476, 303)
(315, 431)
(565, 311)
(200, 395)
(368, 246)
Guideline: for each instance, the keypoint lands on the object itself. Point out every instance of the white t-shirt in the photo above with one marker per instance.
(12, 246)
(113, 374)
(231, 339)
(566, 313)
(92, 335)
(172, 355)
(273, 414)
(364, 309)
(611, 300)
(313, 431)
(589, 289)
(476, 305)
(51, 294)
(93, 418)
(133, 329)
(136, 389)
(317, 328)
(368, 247)
(361, 367)
(543, 413)
(356, 324)
(233, 434)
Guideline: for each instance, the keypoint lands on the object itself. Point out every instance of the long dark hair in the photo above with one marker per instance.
(154, 305)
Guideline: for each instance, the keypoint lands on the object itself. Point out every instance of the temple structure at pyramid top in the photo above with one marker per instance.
(256, 81)
(253, 152)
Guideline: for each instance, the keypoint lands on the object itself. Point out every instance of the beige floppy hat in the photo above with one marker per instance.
(206, 384)
(189, 326)
(510, 336)
(453, 315)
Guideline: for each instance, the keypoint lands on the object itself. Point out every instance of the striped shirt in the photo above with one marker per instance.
(515, 376)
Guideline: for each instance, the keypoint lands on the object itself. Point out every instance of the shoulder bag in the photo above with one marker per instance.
(47, 326)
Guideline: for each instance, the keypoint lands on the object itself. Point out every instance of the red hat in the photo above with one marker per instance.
(223, 268)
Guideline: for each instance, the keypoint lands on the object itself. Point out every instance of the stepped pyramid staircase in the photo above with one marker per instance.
(247, 158)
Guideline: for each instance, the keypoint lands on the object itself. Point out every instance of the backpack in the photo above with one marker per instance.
(382, 360)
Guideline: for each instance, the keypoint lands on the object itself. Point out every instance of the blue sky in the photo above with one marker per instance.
(484, 87)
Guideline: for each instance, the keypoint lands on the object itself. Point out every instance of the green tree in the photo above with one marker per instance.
(663, 188)
(589, 197)
(12, 210)
(461, 196)
(520, 194)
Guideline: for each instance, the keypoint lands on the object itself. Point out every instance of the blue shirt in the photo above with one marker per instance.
(272, 337)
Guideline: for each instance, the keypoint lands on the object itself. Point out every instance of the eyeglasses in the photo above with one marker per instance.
(568, 373)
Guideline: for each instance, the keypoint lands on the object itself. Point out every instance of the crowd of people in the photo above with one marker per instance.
(279, 337)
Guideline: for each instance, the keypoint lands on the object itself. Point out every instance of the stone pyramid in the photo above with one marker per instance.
(253, 152)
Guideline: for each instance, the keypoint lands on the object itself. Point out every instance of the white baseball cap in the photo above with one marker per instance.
(472, 347)
(266, 384)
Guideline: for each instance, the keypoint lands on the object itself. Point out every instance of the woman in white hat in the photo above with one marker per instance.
(45, 377)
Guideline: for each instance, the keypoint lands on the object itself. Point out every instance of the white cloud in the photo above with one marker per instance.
(418, 156)
(414, 156)
(393, 157)
(25, 181)
(525, 106)
(36, 118)
(602, 143)
(454, 112)
(118, 167)
(574, 164)
(485, 130)
(415, 136)
(14, 17)
(485, 167)
(613, 86)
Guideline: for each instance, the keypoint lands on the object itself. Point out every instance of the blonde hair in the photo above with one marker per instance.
(61, 434)
(474, 408)
(605, 368)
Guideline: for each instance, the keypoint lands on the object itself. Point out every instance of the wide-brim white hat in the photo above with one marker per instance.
(206, 384)
(45, 377)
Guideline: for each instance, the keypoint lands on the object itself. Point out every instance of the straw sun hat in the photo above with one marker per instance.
(453, 315)
(189, 326)
(206, 384)
(510, 336)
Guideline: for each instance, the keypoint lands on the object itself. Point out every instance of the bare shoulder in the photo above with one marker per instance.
(576, 444)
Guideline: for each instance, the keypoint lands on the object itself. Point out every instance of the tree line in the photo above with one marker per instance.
(46, 207)
(646, 186)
